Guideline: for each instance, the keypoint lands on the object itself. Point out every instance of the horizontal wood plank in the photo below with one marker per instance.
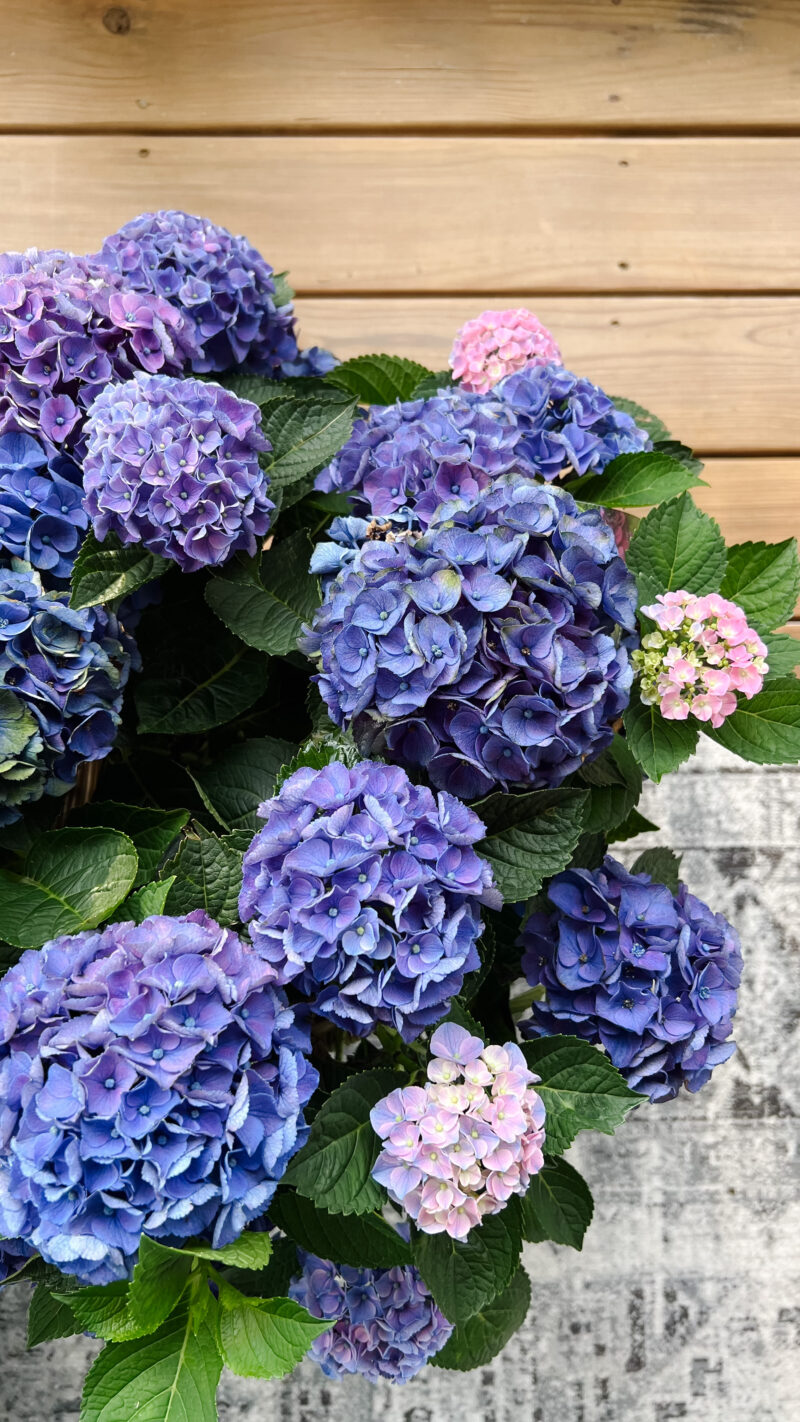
(721, 372)
(374, 215)
(310, 64)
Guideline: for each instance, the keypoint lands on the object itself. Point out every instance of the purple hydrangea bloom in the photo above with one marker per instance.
(42, 518)
(651, 975)
(566, 424)
(489, 652)
(363, 890)
(223, 287)
(62, 676)
(173, 464)
(153, 1081)
(67, 330)
(384, 1322)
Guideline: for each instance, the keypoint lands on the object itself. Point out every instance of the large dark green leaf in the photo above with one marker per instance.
(558, 1205)
(235, 784)
(764, 579)
(230, 678)
(663, 866)
(677, 547)
(334, 1167)
(380, 379)
(659, 745)
(480, 1338)
(615, 784)
(169, 1376)
(152, 831)
(464, 1274)
(766, 729)
(267, 611)
(106, 571)
(50, 1317)
(363, 1241)
(580, 1088)
(529, 837)
(208, 876)
(305, 434)
(71, 880)
(633, 481)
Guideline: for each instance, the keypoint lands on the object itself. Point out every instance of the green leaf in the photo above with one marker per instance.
(530, 837)
(615, 781)
(464, 1274)
(284, 293)
(305, 434)
(651, 424)
(558, 1205)
(477, 1341)
(676, 450)
(228, 682)
(269, 1283)
(208, 875)
(233, 786)
(361, 1241)
(268, 612)
(380, 379)
(50, 1317)
(249, 1251)
(159, 1279)
(765, 730)
(658, 745)
(674, 547)
(663, 866)
(108, 570)
(71, 880)
(783, 653)
(150, 899)
(264, 1338)
(320, 750)
(633, 825)
(170, 1376)
(334, 1167)
(580, 1089)
(106, 1312)
(152, 831)
(432, 384)
(632, 481)
(764, 580)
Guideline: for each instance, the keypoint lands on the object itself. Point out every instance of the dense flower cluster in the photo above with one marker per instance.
(457, 1149)
(489, 651)
(363, 890)
(496, 344)
(69, 329)
(42, 518)
(173, 464)
(651, 975)
(152, 1080)
(62, 675)
(566, 425)
(385, 1324)
(702, 653)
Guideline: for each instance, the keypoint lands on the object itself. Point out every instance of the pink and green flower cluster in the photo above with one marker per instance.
(498, 343)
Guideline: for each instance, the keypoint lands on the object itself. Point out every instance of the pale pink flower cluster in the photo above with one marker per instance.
(703, 653)
(497, 343)
(459, 1147)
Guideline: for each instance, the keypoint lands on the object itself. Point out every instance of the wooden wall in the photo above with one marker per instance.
(628, 168)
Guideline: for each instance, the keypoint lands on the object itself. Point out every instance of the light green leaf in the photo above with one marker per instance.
(235, 784)
(250, 1251)
(106, 1312)
(334, 1167)
(50, 1317)
(477, 1341)
(659, 745)
(208, 876)
(765, 730)
(558, 1205)
(108, 570)
(305, 434)
(632, 481)
(264, 1338)
(71, 880)
(267, 612)
(764, 580)
(580, 1088)
(677, 547)
(464, 1274)
(159, 1279)
(663, 866)
(362, 1241)
(229, 681)
(380, 379)
(152, 831)
(529, 837)
(150, 899)
(170, 1376)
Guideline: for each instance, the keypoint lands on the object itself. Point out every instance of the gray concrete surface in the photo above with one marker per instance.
(685, 1303)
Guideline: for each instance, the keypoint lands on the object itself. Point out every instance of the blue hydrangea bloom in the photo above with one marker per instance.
(566, 424)
(650, 975)
(363, 890)
(153, 1081)
(384, 1322)
(173, 464)
(62, 677)
(223, 287)
(13, 1254)
(42, 518)
(492, 651)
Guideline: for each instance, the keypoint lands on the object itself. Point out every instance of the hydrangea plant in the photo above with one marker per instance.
(322, 931)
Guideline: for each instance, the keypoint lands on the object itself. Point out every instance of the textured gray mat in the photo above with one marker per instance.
(685, 1303)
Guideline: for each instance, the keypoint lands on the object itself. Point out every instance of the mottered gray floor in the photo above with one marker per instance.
(685, 1303)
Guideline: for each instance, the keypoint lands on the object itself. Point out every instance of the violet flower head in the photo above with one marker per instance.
(364, 890)
(650, 975)
(384, 1322)
(42, 518)
(153, 1082)
(173, 464)
(498, 343)
(492, 651)
(457, 1149)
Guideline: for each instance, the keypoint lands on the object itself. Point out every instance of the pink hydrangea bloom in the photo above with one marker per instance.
(618, 520)
(701, 656)
(460, 1147)
(496, 344)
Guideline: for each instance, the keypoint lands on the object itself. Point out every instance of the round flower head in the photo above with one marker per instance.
(153, 1082)
(173, 464)
(488, 652)
(701, 655)
(67, 330)
(384, 1322)
(223, 287)
(363, 890)
(459, 1147)
(496, 344)
(42, 518)
(566, 424)
(62, 675)
(650, 975)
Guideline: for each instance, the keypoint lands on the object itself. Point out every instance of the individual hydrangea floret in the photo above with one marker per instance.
(702, 653)
(496, 344)
(173, 464)
(62, 677)
(153, 1080)
(490, 652)
(42, 518)
(457, 1149)
(384, 1322)
(67, 330)
(363, 890)
(651, 975)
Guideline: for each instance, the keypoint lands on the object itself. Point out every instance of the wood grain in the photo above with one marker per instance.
(437, 215)
(310, 64)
